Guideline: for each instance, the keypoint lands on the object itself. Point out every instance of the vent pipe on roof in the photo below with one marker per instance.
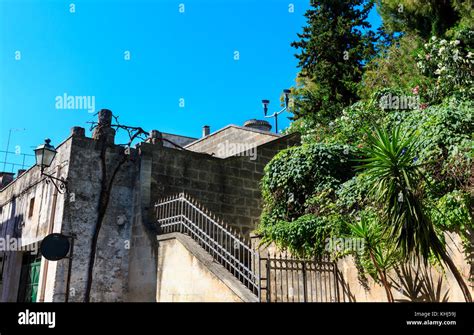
(206, 130)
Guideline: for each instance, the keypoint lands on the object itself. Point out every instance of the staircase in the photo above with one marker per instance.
(182, 214)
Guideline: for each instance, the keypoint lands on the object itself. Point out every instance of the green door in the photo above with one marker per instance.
(29, 278)
(33, 280)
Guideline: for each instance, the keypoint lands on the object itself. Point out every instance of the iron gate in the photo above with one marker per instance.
(294, 280)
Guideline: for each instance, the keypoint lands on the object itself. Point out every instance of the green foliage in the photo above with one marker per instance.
(397, 181)
(444, 132)
(378, 255)
(414, 182)
(299, 181)
(333, 48)
(396, 68)
(352, 195)
(451, 213)
(295, 174)
(424, 17)
(305, 237)
(347, 129)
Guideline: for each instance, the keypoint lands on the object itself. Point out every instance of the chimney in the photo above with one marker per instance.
(104, 131)
(258, 124)
(206, 130)
(155, 137)
(6, 178)
(78, 131)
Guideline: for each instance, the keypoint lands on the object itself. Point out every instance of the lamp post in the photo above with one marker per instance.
(265, 104)
(45, 154)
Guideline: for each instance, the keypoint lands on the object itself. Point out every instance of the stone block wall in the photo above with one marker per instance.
(229, 188)
(233, 135)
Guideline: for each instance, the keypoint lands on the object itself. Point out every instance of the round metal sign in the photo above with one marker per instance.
(55, 247)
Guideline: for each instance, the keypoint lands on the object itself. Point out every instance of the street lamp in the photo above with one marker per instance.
(265, 104)
(45, 154)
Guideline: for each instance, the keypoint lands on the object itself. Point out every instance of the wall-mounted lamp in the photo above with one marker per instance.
(45, 154)
(265, 104)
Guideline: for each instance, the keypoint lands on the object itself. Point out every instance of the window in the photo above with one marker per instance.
(32, 207)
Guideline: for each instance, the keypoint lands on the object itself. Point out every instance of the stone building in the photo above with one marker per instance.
(115, 188)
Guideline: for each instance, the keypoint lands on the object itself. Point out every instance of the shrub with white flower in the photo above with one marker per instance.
(451, 63)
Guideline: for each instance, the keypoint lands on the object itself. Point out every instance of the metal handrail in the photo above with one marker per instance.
(181, 213)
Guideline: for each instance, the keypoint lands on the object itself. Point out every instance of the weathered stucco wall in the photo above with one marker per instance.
(186, 273)
(353, 288)
(31, 208)
(74, 213)
(143, 248)
(80, 216)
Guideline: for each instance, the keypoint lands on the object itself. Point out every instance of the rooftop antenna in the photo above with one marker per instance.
(8, 144)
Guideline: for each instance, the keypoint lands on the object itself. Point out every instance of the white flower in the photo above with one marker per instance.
(457, 42)
(440, 51)
(469, 55)
(433, 38)
(456, 55)
(443, 42)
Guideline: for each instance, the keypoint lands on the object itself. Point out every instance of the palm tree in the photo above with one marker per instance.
(397, 182)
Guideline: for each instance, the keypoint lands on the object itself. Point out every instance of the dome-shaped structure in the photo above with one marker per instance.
(258, 124)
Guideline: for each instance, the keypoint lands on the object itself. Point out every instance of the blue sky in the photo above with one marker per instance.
(173, 56)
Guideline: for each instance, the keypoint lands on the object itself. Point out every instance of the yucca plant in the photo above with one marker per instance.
(397, 182)
(382, 260)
